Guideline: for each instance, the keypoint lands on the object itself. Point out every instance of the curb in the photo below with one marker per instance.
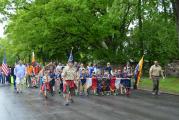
(169, 93)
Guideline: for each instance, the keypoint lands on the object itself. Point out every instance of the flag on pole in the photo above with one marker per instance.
(33, 57)
(138, 71)
(70, 59)
(5, 68)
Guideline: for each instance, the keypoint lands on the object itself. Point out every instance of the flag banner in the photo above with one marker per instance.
(5, 68)
(138, 71)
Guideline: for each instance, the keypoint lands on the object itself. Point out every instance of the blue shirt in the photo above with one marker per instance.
(90, 69)
(19, 71)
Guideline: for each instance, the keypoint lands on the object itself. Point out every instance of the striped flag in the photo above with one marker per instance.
(138, 71)
(5, 68)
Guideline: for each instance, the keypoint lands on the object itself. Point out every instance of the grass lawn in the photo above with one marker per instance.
(170, 84)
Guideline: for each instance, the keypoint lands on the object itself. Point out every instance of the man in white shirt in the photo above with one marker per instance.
(20, 72)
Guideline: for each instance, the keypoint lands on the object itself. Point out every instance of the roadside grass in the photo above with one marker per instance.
(169, 84)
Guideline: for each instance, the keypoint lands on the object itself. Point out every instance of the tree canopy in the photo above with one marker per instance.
(102, 30)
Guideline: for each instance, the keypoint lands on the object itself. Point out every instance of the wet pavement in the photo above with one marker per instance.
(141, 105)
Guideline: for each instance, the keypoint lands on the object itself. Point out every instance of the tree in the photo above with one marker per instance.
(177, 18)
(110, 30)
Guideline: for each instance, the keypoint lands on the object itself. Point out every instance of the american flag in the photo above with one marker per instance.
(4, 66)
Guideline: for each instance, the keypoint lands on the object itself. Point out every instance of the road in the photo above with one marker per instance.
(141, 105)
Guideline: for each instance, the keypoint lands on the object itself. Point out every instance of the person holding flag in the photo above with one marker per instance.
(5, 69)
(69, 76)
(138, 72)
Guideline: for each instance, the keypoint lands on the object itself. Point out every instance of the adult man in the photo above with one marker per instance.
(108, 68)
(155, 73)
(69, 75)
(59, 67)
(19, 72)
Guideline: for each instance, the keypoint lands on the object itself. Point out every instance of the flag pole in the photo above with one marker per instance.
(71, 49)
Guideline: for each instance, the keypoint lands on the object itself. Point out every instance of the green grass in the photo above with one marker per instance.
(170, 84)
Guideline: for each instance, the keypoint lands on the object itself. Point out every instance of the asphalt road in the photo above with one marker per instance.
(141, 105)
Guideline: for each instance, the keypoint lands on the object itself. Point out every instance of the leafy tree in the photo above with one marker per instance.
(110, 30)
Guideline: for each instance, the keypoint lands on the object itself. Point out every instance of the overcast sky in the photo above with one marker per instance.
(1, 30)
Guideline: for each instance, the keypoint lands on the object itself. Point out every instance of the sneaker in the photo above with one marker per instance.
(153, 93)
(66, 104)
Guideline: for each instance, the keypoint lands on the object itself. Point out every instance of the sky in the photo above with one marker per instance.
(1, 30)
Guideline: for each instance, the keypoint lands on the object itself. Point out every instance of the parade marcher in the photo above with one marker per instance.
(155, 72)
(106, 83)
(40, 79)
(81, 67)
(77, 81)
(125, 83)
(8, 76)
(99, 77)
(94, 84)
(59, 67)
(45, 87)
(90, 70)
(83, 77)
(14, 77)
(112, 84)
(108, 68)
(52, 82)
(29, 75)
(3, 78)
(20, 72)
(60, 81)
(69, 75)
(119, 73)
(118, 81)
(57, 80)
(95, 68)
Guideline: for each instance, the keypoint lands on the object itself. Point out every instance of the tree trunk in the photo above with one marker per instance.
(164, 9)
(140, 27)
(177, 18)
(139, 15)
(174, 9)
